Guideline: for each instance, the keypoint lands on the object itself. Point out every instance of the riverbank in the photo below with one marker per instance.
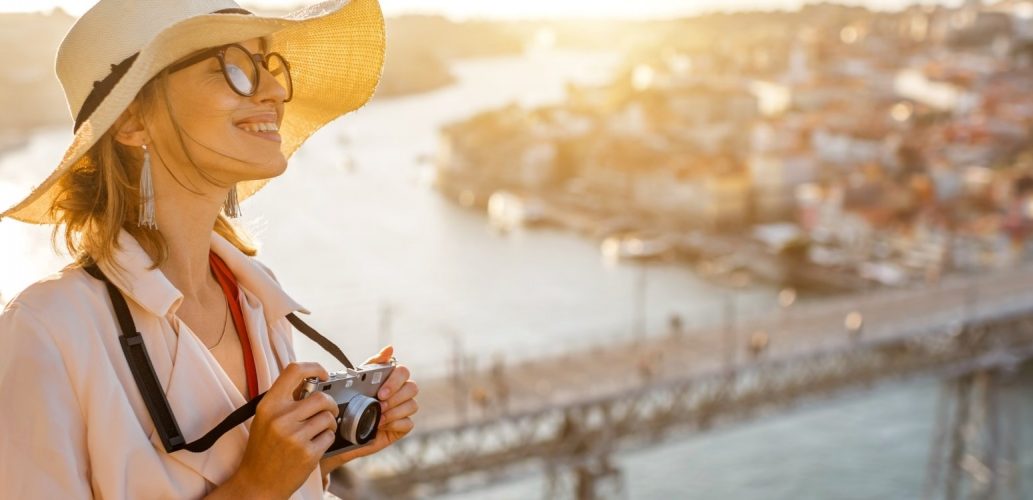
(624, 231)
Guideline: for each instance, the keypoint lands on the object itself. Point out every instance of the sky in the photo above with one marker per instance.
(519, 9)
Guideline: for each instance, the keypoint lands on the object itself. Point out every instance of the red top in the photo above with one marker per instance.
(229, 287)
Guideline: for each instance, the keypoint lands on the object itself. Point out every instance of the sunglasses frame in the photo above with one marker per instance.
(257, 60)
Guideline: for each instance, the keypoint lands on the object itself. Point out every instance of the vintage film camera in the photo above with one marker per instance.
(355, 392)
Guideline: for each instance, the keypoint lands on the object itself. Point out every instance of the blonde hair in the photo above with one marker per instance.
(100, 196)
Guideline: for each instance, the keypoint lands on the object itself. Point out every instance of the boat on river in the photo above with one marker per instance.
(635, 246)
(508, 210)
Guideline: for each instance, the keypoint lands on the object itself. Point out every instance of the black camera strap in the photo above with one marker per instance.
(150, 389)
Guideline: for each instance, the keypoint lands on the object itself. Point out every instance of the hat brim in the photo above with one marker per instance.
(336, 52)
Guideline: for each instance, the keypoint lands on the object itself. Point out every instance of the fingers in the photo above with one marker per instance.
(408, 391)
(318, 423)
(383, 356)
(398, 377)
(317, 402)
(402, 426)
(292, 376)
(400, 412)
(322, 442)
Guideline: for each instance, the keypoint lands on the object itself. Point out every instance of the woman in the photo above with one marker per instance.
(181, 109)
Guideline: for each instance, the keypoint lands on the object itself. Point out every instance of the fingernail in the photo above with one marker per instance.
(383, 393)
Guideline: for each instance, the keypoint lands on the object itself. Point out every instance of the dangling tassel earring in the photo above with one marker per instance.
(232, 206)
(146, 217)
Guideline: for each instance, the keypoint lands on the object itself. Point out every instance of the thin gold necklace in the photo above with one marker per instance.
(225, 322)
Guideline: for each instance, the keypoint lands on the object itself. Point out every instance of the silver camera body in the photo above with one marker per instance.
(355, 392)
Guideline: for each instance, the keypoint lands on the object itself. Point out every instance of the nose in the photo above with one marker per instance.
(269, 89)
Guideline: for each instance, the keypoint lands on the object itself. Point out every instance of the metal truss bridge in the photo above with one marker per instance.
(613, 407)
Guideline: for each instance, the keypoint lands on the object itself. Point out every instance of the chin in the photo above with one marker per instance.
(255, 171)
(270, 170)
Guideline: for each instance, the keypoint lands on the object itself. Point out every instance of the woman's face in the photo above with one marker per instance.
(225, 134)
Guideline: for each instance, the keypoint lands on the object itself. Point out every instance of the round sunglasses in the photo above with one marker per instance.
(240, 68)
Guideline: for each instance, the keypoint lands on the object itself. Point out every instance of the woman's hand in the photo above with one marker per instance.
(288, 437)
(398, 404)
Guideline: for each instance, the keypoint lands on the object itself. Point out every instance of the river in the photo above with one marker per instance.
(356, 233)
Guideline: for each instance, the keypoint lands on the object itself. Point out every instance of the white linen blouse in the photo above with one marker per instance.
(72, 421)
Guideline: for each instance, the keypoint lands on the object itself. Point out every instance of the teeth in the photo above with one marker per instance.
(259, 127)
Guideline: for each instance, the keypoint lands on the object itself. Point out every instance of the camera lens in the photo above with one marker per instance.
(359, 419)
(368, 423)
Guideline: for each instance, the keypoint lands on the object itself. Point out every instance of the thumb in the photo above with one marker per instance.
(383, 357)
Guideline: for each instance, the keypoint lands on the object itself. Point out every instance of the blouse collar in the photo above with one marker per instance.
(154, 292)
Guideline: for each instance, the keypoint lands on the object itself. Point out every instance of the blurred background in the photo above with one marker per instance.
(657, 249)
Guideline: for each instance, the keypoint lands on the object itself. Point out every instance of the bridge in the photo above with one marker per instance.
(570, 414)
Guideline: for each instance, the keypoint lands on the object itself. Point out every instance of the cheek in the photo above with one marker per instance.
(206, 121)
(206, 98)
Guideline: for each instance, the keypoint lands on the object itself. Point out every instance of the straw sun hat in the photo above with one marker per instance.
(335, 49)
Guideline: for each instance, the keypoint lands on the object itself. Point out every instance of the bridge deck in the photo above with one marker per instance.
(626, 365)
(586, 404)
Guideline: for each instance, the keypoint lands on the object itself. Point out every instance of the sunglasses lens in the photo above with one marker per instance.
(281, 72)
(240, 70)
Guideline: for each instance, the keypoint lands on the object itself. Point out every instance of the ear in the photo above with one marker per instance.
(129, 129)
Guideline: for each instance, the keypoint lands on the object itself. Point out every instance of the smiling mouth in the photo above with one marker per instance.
(266, 130)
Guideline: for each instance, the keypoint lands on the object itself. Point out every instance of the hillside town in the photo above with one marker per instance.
(895, 147)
